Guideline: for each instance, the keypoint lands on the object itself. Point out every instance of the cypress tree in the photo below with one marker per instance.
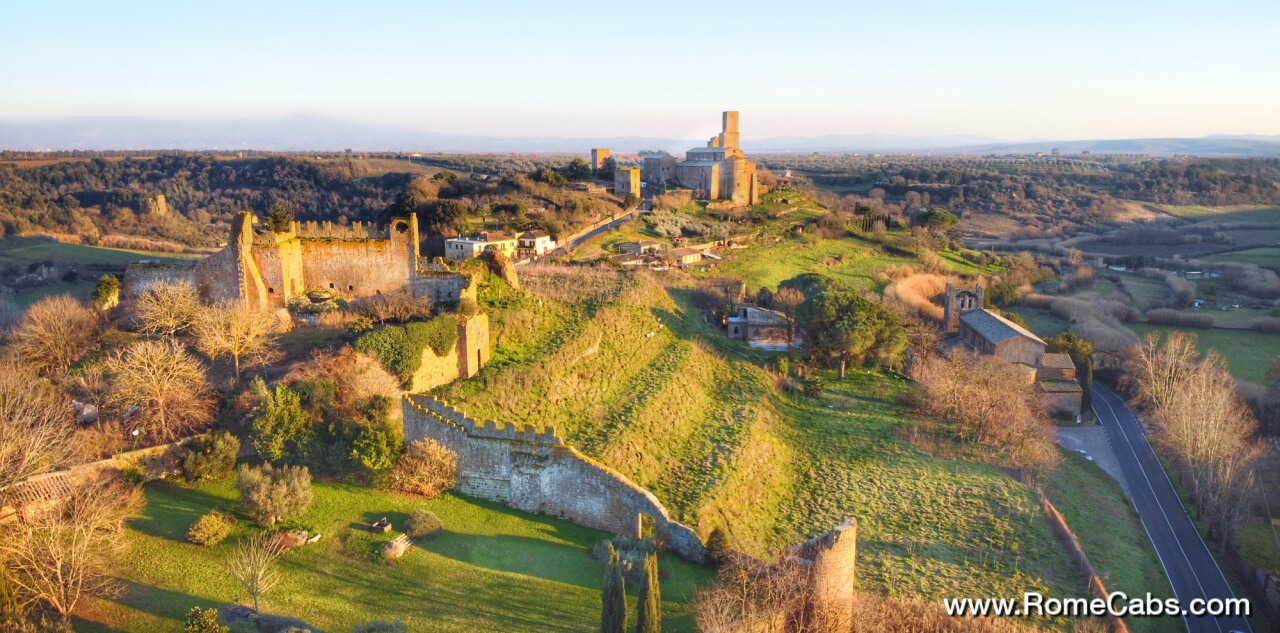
(613, 613)
(1086, 401)
(649, 611)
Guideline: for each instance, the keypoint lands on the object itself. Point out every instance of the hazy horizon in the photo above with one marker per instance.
(1001, 70)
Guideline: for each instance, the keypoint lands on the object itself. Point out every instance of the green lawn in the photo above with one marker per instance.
(1266, 256)
(1112, 535)
(1249, 354)
(854, 260)
(695, 418)
(1260, 545)
(494, 569)
(1041, 322)
(1230, 213)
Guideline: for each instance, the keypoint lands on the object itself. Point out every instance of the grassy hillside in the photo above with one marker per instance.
(494, 569)
(1112, 535)
(638, 381)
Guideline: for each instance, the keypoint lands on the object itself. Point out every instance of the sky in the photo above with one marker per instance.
(1007, 70)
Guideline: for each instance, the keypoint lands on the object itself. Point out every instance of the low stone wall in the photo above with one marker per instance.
(530, 468)
(156, 462)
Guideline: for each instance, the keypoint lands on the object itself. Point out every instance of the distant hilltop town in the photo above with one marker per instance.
(716, 172)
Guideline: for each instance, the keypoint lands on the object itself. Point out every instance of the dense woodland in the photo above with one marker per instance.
(1077, 185)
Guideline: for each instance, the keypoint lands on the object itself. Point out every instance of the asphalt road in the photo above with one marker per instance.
(1191, 569)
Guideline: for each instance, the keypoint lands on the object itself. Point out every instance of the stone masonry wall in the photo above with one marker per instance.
(531, 469)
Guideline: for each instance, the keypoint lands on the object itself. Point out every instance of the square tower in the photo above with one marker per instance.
(598, 156)
(729, 129)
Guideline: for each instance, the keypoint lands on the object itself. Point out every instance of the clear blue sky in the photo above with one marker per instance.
(1013, 70)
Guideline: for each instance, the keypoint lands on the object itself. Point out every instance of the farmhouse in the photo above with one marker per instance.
(686, 256)
(534, 244)
(460, 248)
(641, 247)
(990, 334)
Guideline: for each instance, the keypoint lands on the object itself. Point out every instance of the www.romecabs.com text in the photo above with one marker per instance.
(1116, 603)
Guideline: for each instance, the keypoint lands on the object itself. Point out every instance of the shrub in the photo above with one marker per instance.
(400, 348)
(376, 447)
(211, 528)
(814, 386)
(1265, 324)
(426, 468)
(379, 626)
(423, 524)
(1165, 316)
(132, 475)
(359, 325)
(106, 293)
(204, 621)
(270, 495)
(717, 545)
(210, 458)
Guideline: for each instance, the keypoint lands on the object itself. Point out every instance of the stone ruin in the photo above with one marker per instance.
(269, 269)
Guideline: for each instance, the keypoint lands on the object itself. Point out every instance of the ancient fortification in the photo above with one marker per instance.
(269, 269)
(530, 468)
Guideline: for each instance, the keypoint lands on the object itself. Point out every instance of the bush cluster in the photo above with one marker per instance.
(423, 524)
(270, 495)
(210, 458)
(399, 348)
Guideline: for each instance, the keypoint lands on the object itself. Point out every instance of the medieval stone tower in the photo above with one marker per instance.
(831, 561)
(959, 301)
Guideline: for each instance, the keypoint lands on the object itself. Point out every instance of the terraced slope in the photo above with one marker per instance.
(638, 381)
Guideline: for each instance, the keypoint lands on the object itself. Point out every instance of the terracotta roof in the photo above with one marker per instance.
(1057, 360)
(685, 252)
(995, 328)
(532, 234)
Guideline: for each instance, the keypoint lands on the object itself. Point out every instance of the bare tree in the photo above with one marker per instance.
(35, 426)
(55, 332)
(252, 562)
(786, 300)
(68, 551)
(165, 383)
(247, 335)
(426, 468)
(1155, 371)
(167, 308)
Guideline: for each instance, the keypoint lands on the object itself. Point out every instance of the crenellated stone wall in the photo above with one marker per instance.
(532, 469)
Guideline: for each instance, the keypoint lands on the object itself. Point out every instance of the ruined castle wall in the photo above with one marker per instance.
(531, 469)
(355, 267)
(445, 287)
(280, 265)
(473, 345)
(436, 370)
(141, 276)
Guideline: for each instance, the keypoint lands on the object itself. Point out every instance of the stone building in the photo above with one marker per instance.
(642, 247)
(470, 353)
(719, 171)
(471, 246)
(986, 332)
(657, 168)
(598, 156)
(626, 181)
(269, 269)
(757, 324)
(534, 244)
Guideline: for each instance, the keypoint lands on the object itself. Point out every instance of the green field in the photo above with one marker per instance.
(1266, 256)
(1112, 535)
(1041, 322)
(1232, 213)
(1249, 354)
(494, 569)
(695, 418)
(35, 250)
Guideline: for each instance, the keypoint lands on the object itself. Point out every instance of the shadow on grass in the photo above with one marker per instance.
(171, 513)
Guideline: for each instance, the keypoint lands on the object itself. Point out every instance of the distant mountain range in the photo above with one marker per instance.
(311, 133)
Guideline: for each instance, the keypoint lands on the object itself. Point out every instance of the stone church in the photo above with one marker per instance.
(718, 171)
(967, 324)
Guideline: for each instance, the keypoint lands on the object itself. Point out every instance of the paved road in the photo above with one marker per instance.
(1191, 569)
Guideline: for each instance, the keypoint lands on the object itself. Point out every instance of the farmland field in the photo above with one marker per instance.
(1266, 256)
(1249, 354)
